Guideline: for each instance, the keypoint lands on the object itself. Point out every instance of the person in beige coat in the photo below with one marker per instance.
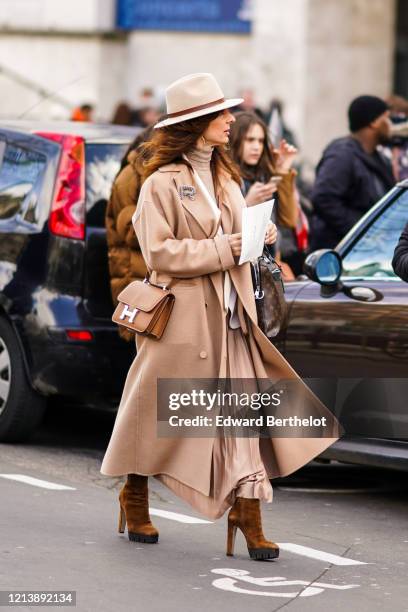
(188, 224)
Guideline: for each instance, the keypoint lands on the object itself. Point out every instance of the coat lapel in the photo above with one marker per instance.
(227, 215)
(198, 208)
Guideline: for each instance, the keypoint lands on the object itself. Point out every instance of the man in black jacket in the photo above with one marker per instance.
(352, 175)
(400, 259)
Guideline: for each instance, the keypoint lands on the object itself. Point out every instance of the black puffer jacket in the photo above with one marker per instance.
(348, 183)
(400, 259)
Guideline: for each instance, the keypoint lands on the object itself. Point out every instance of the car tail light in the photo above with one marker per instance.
(79, 334)
(67, 217)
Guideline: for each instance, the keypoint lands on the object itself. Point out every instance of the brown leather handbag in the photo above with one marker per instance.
(144, 308)
(269, 294)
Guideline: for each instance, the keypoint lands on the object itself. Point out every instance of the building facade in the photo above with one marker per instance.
(315, 55)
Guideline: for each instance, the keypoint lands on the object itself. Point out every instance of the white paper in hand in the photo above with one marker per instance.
(255, 220)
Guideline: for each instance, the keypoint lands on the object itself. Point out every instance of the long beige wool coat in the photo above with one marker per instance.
(178, 238)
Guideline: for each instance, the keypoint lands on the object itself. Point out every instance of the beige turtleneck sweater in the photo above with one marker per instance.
(200, 160)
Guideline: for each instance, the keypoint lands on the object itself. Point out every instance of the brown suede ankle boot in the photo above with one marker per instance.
(134, 510)
(246, 514)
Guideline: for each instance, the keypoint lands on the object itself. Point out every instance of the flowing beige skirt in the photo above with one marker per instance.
(237, 466)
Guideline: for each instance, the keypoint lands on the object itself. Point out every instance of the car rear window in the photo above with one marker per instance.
(102, 165)
(20, 170)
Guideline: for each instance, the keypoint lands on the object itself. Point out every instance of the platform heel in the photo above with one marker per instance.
(134, 511)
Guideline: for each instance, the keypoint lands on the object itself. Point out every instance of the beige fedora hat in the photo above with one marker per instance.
(193, 96)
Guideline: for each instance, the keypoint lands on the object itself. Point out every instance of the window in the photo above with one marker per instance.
(102, 165)
(19, 173)
(372, 255)
(401, 49)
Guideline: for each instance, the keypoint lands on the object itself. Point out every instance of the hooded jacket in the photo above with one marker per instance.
(348, 183)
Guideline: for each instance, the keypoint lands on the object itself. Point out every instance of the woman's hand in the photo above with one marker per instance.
(260, 192)
(271, 233)
(235, 241)
(285, 156)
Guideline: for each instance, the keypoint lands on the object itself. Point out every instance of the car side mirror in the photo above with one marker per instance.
(324, 266)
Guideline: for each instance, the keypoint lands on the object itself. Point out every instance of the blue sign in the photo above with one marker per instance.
(185, 15)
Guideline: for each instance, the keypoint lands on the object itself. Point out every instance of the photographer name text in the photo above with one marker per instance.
(259, 421)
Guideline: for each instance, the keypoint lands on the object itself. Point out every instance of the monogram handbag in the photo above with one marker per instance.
(269, 294)
(144, 308)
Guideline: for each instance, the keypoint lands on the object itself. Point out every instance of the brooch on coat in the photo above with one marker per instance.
(187, 191)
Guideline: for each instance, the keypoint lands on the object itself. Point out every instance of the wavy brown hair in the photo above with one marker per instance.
(265, 168)
(168, 144)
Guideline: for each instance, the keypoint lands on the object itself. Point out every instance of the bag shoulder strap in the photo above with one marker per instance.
(171, 283)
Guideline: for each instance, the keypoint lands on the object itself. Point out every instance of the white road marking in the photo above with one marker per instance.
(297, 549)
(314, 553)
(36, 482)
(232, 577)
(176, 516)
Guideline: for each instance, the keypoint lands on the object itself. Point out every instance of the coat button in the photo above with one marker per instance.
(203, 354)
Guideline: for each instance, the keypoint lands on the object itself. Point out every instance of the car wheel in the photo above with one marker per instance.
(21, 408)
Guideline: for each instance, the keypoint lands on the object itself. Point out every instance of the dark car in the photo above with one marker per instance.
(348, 334)
(56, 334)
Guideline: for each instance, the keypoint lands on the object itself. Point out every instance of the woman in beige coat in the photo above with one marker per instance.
(194, 242)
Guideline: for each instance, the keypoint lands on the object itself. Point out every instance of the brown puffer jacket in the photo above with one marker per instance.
(126, 262)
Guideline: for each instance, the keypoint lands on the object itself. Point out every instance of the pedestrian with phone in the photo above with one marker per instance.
(266, 173)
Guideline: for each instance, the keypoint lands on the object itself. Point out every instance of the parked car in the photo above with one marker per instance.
(56, 334)
(348, 334)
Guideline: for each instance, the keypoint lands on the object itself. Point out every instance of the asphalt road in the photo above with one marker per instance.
(342, 531)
